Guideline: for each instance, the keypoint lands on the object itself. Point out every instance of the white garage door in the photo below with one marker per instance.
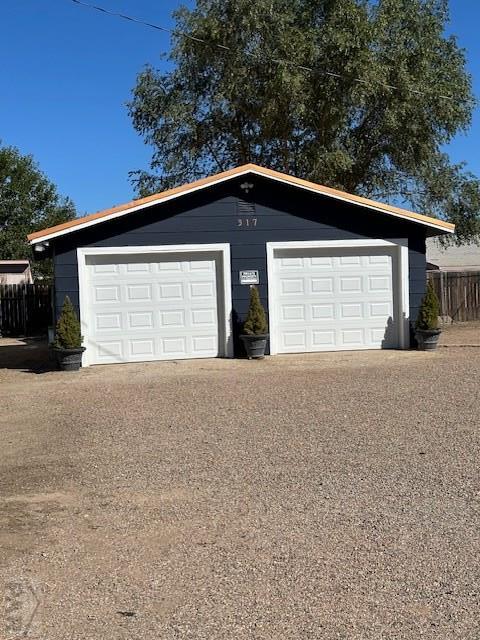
(327, 300)
(151, 307)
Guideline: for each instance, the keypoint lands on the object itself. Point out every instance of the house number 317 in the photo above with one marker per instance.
(246, 222)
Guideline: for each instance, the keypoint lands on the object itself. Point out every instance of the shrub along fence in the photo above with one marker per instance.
(458, 292)
(25, 309)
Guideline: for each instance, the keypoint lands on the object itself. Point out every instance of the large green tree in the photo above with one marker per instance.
(28, 202)
(387, 90)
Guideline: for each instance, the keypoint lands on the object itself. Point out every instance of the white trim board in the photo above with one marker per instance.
(378, 209)
(225, 287)
(145, 205)
(401, 287)
(252, 171)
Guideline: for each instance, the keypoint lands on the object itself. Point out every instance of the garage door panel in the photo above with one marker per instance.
(320, 285)
(349, 311)
(140, 320)
(377, 334)
(169, 266)
(201, 289)
(202, 344)
(200, 265)
(138, 267)
(142, 347)
(292, 286)
(323, 339)
(174, 346)
(378, 260)
(379, 284)
(154, 348)
(349, 261)
(148, 308)
(350, 284)
(380, 309)
(172, 318)
(108, 321)
(138, 293)
(107, 293)
(294, 340)
(321, 263)
(293, 312)
(105, 269)
(322, 312)
(290, 263)
(109, 350)
(329, 302)
(352, 337)
(203, 317)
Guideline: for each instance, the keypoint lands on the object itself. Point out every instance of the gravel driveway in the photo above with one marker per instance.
(318, 496)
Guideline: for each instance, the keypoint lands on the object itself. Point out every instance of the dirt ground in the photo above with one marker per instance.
(314, 496)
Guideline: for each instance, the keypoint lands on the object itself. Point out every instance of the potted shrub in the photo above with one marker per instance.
(426, 327)
(67, 345)
(255, 329)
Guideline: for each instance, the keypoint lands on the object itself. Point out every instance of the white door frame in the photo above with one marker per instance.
(400, 288)
(224, 301)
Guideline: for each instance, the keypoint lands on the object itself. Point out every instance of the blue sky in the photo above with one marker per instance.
(67, 73)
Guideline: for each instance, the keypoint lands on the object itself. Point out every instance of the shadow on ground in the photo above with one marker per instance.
(32, 354)
(26, 354)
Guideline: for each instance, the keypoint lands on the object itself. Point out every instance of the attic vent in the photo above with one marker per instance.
(245, 208)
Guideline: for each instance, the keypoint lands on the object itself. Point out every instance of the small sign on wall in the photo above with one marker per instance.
(249, 277)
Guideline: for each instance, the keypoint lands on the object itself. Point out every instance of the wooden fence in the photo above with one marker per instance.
(458, 292)
(25, 309)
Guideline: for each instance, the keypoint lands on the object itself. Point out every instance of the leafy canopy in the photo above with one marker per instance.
(217, 109)
(255, 322)
(68, 333)
(28, 202)
(429, 310)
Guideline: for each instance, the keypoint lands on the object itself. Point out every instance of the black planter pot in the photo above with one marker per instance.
(255, 345)
(69, 359)
(427, 339)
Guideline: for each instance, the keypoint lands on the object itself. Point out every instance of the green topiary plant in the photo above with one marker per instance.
(67, 334)
(429, 310)
(256, 321)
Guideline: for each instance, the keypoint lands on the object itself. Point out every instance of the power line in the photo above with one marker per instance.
(173, 32)
(215, 45)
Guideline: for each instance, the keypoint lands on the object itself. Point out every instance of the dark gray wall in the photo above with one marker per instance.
(283, 213)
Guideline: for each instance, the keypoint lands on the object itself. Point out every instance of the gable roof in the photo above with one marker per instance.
(158, 198)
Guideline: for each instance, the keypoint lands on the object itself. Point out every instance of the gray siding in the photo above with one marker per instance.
(283, 213)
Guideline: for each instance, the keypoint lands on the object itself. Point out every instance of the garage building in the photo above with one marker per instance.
(167, 276)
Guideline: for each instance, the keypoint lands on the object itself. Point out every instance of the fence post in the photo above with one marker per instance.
(442, 301)
(24, 292)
